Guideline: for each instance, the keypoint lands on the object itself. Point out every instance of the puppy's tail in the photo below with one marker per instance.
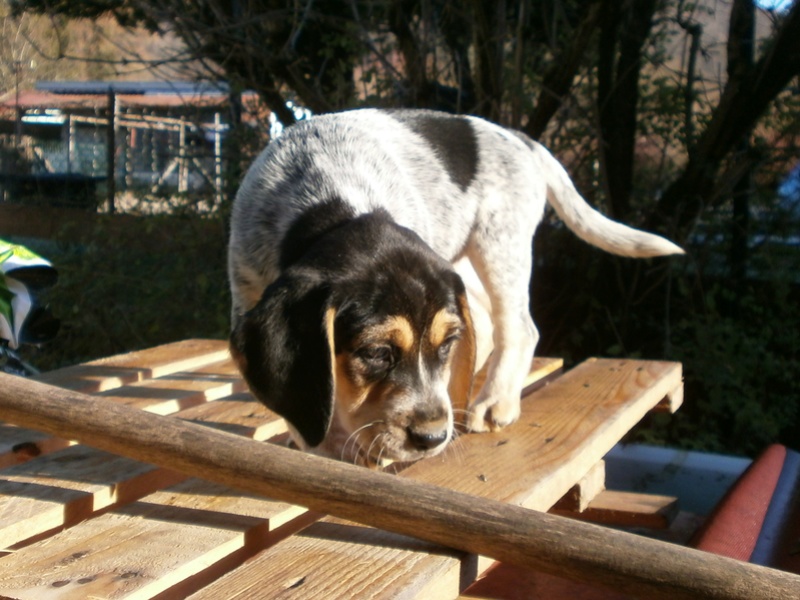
(590, 225)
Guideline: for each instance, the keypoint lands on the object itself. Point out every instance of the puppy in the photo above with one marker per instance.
(352, 237)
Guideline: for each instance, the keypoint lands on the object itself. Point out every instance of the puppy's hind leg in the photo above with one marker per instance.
(515, 337)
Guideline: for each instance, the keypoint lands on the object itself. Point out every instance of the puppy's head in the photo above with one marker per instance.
(369, 331)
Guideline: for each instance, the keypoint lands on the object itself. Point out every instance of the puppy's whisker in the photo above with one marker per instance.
(376, 440)
(354, 443)
(453, 449)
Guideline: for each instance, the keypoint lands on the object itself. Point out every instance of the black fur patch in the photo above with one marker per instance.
(309, 227)
(452, 139)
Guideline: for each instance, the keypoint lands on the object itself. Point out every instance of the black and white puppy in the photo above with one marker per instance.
(354, 238)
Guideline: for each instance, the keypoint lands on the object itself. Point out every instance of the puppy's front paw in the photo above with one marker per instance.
(486, 415)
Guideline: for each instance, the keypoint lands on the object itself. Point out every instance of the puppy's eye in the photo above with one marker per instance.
(447, 345)
(378, 356)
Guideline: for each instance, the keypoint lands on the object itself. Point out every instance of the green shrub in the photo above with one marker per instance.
(741, 362)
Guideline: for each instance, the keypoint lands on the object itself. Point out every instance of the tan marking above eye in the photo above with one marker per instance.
(443, 325)
(396, 330)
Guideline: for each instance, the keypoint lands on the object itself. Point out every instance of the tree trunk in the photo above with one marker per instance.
(624, 30)
(490, 23)
(741, 42)
(558, 80)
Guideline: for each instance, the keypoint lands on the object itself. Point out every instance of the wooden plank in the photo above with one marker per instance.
(18, 444)
(68, 486)
(565, 428)
(115, 371)
(187, 533)
(627, 509)
(579, 496)
(241, 414)
(180, 390)
(672, 402)
(163, 395)
(64, 487)
(339, 559)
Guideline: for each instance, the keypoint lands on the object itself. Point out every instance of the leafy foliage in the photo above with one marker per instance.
(742, 361)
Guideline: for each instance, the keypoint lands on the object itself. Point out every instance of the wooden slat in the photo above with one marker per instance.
(240, 414)
(180, 390)
(579, 496)
(191, 530)
(565, 428)
(18, 444)
(627, 509)
(65, 487)
(672, 402)
(337, 559)
(68, 486)
(163, 395)
(115, 371)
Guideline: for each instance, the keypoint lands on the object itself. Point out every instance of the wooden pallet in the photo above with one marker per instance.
(77, 522)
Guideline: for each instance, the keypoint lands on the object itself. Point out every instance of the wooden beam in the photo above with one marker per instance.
(502, 531)
(626, 509)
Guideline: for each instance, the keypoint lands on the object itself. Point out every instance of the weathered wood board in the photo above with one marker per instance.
(200, 381)
(65, 487)
(337, 559)
(139, 550)
(627, 509)
(565, 428)
(115, 371)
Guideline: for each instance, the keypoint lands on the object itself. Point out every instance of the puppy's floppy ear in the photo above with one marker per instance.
(462, 368)
(284, 349)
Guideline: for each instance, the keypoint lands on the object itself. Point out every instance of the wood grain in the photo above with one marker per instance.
(579, 496)
(115, 371)
(502, 531)
(67, 486)
(149, 546)
(336, 559)
(565, 428)
(162, 395)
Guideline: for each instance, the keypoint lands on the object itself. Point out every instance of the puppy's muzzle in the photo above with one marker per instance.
(429, 428)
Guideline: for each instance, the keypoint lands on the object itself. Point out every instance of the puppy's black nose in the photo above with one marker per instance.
(425, 440)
